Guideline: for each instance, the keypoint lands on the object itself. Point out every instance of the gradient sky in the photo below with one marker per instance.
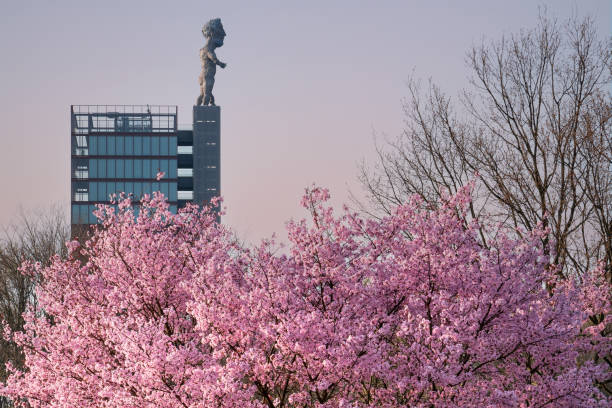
(307, 86)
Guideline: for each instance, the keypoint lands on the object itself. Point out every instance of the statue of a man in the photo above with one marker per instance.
(214, 34)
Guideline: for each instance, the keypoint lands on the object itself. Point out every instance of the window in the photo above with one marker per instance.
(93, 168)
(172, 169)
(185, 172)
(110, 145)
(93, 191)
(129, 145)
(83, 214)
(185, 150)
(146, 146)
(137, 145)
(129, 168)
(120, 167)
(172, 145)
(119, 150)
(185, 195)
(137, 190)
(81, 170)
(163, 146)
(80, 149)
(75, 214)
(146, 188)
(101, 145)
(93, 145)
(129, 188)
(172, 194)
(146, 168)
(110, 168)
(92, 218)
(138, 168)
(102, 168)
(155, 146)
(163, 187)
(110, 189)
(154, 167)
(81, 194)
(163, 166)
(101, 196)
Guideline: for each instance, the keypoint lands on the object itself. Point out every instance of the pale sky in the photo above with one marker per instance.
(307, 86)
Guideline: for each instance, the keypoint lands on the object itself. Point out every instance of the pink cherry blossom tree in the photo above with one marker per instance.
(164, 310)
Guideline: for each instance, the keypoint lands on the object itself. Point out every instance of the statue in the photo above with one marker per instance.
(214, 34)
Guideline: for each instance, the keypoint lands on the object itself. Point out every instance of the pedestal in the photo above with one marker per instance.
(206, 153)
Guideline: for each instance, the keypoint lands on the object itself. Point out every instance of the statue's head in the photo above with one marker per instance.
(213, 31)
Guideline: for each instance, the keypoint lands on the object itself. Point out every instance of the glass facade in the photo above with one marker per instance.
(119, 149)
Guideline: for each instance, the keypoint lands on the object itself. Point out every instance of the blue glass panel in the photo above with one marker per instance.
(102, 168)
(146, 168)
(172, 146)
(172, 172)
(93, 191)
(120, 188)
(110, 189)
(173, 209)
(83, 213)
(129, 145)
(110, 168)
(155, 146)
(110, 145)
(120, 168)
(163, 145)
(146, 146)
(129, 187)
(75, 214)
(138, 145)
(102, 145)
(129, 168)
(93, 168)
(146, 188)
(93, 145)
(138, 168)
(154, 167)
(136, 190)
(101, 192)
(163, 166)
(119, 146)
(164, 189)
(92, 218)
(172, 195)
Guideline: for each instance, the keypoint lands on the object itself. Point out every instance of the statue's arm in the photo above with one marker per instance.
(213, 58)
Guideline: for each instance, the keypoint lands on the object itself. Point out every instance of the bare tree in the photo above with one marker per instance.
(36, 237)
(534, 125)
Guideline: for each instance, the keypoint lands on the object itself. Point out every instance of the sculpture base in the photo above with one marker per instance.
(206, 153)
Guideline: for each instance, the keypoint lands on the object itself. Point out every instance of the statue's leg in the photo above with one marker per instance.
(212, 99)
(199, 101)
(208, 86)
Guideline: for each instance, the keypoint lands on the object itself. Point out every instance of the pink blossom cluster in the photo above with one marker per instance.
(164, 310)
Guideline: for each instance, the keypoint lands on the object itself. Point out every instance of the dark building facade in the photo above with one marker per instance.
(121, 148)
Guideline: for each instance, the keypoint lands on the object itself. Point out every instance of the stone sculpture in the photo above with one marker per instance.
(214, 34)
